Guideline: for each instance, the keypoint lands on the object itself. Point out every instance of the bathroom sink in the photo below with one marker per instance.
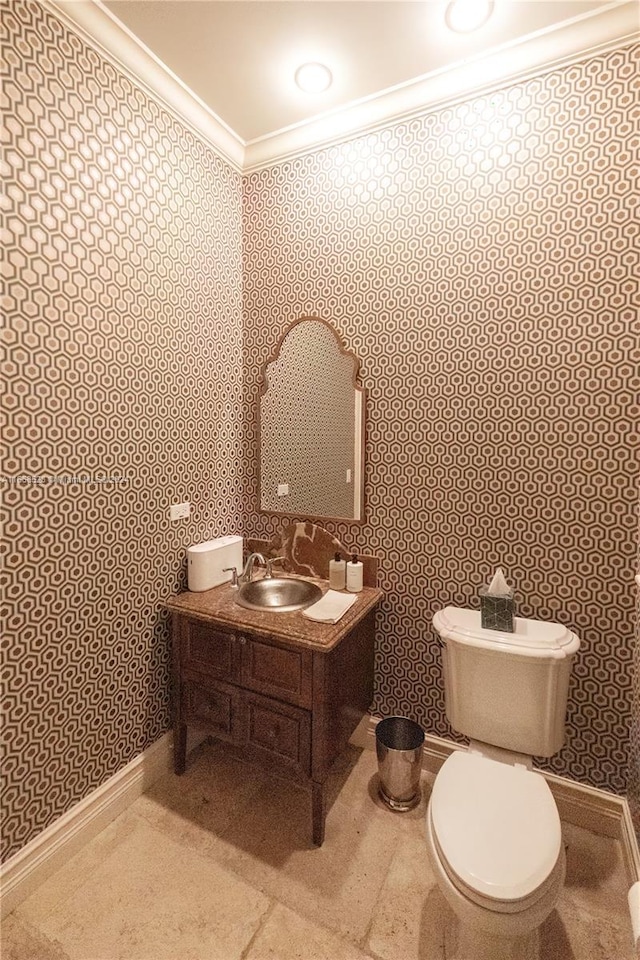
(278, 594)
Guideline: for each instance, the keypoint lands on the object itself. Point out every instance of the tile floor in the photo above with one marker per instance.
(217, 865)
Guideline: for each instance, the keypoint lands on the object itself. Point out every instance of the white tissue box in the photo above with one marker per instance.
(206, 562)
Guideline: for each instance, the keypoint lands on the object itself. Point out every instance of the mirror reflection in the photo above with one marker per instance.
(311, 420)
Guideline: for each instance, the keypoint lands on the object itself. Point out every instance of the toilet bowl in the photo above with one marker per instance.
(495, 844)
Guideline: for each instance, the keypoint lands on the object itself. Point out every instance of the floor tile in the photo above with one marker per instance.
(596, 876)
(196, 807)
(149, 900)
(19, 940)
(52, 894)
(336, 884)
(350, 774)
(577, 935)
(287, 936)
(411, 915)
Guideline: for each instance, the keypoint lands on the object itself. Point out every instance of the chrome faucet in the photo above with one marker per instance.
(270, 563)
(247, 573)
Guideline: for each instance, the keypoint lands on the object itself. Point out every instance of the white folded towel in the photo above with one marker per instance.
(331, 607)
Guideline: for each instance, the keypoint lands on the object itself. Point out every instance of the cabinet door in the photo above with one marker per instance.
(276, 671)
(209, 651)
(216, 707)
(279, 731)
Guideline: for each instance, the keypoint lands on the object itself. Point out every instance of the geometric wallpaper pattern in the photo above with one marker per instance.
(482, 263)
(634, 759)
(122, 367)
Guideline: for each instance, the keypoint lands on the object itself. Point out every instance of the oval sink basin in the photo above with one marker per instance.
(278, 594)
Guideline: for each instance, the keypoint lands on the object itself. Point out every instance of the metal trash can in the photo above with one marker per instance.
(399, 744)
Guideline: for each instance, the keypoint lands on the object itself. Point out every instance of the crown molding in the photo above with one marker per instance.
(597, 32)
(98, 27)
(604, 29)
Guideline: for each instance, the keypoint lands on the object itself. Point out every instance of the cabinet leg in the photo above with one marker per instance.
(179, 748)
(318, 811)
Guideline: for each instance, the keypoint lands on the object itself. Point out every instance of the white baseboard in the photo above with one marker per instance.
(634, 909)
(630, 850)
(597, 810)
(51, 849)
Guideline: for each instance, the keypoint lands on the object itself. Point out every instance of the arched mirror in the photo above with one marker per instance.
(311, 418)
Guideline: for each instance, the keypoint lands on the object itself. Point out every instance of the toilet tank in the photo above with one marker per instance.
(507, 689)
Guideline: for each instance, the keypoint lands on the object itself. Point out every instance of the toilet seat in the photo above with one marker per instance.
(491, 903)
(497, 831)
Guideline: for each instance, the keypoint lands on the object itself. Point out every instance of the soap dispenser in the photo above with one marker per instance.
(337, 574)
(354, 574)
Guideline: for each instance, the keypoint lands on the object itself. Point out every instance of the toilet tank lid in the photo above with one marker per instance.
(531, 638)
(496, 824)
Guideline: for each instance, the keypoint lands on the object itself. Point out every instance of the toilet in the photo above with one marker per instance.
(493, 829)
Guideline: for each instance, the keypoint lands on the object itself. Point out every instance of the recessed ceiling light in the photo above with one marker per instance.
(463, 16)
(313, 77)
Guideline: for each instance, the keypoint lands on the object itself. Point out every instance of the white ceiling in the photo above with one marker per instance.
(226, 66)
(239, 57)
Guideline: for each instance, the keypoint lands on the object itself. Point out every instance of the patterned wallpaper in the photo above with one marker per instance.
(634, 759)
(482, 262)
(122, 364)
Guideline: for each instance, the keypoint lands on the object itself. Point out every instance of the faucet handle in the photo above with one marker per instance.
(270, 562)
(234, 575)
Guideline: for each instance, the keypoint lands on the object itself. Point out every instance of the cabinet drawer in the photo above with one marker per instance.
(215, 707)
(209, 651)
(281, 673)
(279, 731)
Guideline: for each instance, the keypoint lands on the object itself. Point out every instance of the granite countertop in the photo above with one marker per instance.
(218, 606)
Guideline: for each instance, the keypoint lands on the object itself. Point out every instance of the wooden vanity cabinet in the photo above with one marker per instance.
(281, 700)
